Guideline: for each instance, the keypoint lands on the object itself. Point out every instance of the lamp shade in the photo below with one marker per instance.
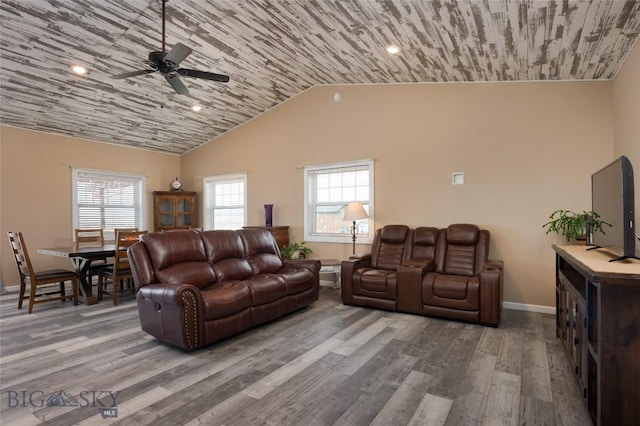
(355, 211)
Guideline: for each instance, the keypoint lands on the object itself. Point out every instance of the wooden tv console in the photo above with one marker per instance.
(598, 319)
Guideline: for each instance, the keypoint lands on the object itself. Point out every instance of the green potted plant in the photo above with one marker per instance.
(575, 226)
(293, 251)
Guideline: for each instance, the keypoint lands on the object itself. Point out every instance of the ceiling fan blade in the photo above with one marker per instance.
(177, 84)
(177, 54)
(130, 74)
(203, 74)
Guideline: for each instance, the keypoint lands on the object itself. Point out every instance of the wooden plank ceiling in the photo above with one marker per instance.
(273, 50)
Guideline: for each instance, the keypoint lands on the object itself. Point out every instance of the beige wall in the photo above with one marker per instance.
(526, 149)
(35, 187)
(626, 97)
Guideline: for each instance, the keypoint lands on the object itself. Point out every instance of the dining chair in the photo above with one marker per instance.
(37, 279)
(116, 230)
(89, 235)
(119, 272)
(92, 236)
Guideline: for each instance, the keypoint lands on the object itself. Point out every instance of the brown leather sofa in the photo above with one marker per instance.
(444, 273)
(195, 288)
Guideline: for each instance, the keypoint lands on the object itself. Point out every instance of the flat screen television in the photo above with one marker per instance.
(612, 197)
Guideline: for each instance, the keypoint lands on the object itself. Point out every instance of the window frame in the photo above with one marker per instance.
(313, 236)
(207, 220)
(140, 181)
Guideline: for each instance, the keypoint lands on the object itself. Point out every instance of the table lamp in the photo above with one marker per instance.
(354, 212)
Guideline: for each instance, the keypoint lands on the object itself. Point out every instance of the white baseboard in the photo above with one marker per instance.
(530, 308)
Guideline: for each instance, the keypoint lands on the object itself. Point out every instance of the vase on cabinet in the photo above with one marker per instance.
(268, 215)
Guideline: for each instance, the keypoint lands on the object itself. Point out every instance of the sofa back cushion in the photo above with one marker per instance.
(423, 244)
(225, 253)
(389, 246)
(261, 251)
(463, 250)
(178, 257)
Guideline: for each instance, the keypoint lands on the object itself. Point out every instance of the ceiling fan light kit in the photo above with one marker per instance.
(393, 49)
(166, 63)
(79, 69)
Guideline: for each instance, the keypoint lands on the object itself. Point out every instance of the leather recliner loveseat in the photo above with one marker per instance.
(195, 288)
(444, 273)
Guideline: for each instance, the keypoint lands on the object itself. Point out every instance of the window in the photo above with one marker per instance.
(225, 205)
(328, 190)
(107, 200)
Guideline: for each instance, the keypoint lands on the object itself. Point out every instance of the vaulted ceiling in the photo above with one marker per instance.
(273, 50)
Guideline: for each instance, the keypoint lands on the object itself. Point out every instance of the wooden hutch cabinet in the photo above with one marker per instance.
(174, 210)
(598, 320)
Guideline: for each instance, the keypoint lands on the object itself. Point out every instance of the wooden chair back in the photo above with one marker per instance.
(124, 239)
(120, 270)
(116, 230)
(89, 235)
(21, 256)
(29, 276)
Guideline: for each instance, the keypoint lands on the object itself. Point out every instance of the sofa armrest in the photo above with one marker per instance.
(170, 294)
(312, 265)
(424, 265)
(360, 257)
(491, 292)
(409, 288)
(409, 285)
(173, 313)
(347, 269)
(493, 264)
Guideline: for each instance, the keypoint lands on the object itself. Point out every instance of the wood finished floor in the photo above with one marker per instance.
(328, 364)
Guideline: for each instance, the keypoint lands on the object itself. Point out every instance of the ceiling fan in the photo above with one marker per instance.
(166, 63)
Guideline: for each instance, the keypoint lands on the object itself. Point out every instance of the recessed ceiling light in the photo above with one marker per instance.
(196, 108)
(79, 69)
(393, 49)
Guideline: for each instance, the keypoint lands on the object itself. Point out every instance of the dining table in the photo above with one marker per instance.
(81, 257)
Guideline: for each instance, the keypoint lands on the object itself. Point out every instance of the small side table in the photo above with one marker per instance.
(331, 266)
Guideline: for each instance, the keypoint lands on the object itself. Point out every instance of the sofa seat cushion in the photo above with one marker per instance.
(297, 279)
(266, 288)
(224, 299)
(451, 291)
(379, 283)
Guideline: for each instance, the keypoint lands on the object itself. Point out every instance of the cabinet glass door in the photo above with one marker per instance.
(184, 205)
(166, 206)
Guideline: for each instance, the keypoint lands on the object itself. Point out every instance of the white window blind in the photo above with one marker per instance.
(107, 200)
(225, 201)
(328, 190)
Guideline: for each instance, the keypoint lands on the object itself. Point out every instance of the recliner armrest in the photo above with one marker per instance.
(360, 257)
(347, 269)
(424, 265)
(173, 313)
(493, 264)
(409, 285)
(491, 292)
(169, 293)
